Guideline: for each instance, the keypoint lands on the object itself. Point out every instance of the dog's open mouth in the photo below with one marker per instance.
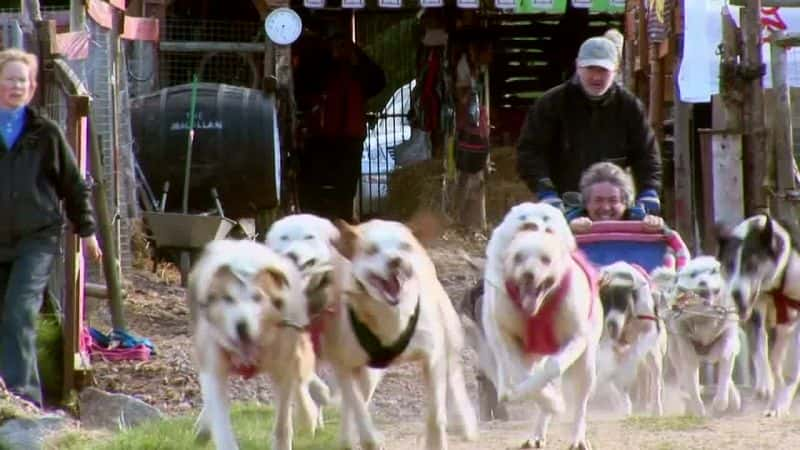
(530, 294)
(390, 287)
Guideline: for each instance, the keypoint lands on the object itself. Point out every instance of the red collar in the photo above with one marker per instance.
(245, 370)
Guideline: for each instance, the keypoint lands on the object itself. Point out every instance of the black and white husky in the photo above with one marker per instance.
(762, 268)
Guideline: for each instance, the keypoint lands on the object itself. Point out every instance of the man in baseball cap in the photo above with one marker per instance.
(588, 119)
(597, 65)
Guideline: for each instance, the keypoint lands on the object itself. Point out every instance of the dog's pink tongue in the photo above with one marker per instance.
(391, 286)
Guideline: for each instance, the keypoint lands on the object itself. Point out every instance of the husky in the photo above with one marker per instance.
(394, 310)
(703, 327)
(249, 316)
(762, 270)
(541, 316)
(634, 337)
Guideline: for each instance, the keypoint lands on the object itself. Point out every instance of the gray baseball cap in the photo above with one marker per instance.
(598, 51)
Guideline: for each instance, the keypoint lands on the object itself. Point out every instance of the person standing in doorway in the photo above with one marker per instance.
(335, 88)
(38, 171)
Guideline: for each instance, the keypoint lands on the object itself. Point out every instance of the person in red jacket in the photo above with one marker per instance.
(335, 86)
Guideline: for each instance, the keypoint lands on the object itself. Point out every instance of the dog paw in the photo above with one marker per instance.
(581, 445)
(533, 443)
(719, 405)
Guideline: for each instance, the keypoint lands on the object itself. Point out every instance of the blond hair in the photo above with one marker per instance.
(29, 59)
(606, 172)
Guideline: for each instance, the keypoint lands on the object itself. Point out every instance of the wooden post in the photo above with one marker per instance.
(77, 113)
(682, 157)
(111, 264)
(77, 15)
(752, 68)
(784, 152)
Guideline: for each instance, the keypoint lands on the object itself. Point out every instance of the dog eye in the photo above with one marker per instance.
(405, 246)
(278, 303)
(546, 218)
(227, 299)
(371, 250)
(257, 297)
(284, 238)
(308, 237)
(519, 258)
(545, 260)
(523, 218)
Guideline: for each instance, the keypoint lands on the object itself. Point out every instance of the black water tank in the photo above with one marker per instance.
(235, 147)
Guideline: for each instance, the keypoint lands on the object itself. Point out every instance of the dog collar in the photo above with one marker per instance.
(381, 356)
(245, 370)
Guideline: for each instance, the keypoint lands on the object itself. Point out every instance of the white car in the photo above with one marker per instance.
(377, 160)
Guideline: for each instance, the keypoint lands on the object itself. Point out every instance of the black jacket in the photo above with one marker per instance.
(38, 172)
(565, 132)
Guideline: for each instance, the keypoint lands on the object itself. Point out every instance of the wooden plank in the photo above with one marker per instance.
(77, 111)
(208, 46)
(769, 3)
(786, 39)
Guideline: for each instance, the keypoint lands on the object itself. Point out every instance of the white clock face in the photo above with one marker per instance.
(283, 26)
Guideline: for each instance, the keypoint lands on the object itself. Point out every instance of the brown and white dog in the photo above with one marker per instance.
(249, 316)
(541, 315)
(394, 310)
(703, 327)
(634, 344)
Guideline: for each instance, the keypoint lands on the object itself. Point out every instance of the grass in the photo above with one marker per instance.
(252, 425)
(668, 423)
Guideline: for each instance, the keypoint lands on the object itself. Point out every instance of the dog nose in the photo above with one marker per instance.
(241, 331)
(527, 277)
(293, 256)
(395, 262)
(613, 329)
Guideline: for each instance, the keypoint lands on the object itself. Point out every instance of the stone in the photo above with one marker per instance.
(100, 409)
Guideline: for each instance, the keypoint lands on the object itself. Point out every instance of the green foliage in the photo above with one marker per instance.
(667, 423)
(50, 354)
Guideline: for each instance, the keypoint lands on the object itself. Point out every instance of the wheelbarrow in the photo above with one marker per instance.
(186, 234)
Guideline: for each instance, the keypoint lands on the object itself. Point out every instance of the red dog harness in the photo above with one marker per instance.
(783, 302)
(540, 336)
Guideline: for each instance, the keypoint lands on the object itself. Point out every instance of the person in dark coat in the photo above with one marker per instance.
(37, 172)
(332, 91)
(585, 120)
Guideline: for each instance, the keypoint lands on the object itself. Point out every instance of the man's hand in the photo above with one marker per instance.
(653, 223)
(581, 225)
(92, 247)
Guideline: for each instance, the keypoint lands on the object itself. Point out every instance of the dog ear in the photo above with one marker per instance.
(271, 279)
(347, 241)
(426, 226)
(767, 234)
